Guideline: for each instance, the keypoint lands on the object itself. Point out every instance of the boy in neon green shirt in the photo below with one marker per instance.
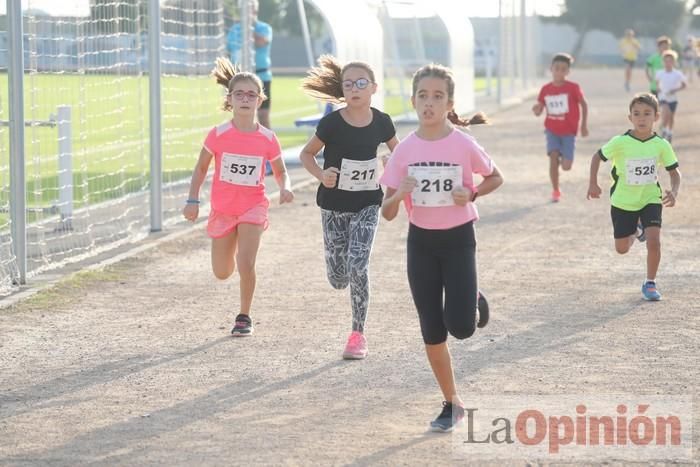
(655, 62)
(636, 196)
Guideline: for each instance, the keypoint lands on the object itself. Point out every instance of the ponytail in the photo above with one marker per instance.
(477, 119)
(325, 81)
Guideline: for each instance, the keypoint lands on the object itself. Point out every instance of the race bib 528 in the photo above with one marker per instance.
(641, 171)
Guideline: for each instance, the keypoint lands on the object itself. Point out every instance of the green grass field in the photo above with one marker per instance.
(110, 129)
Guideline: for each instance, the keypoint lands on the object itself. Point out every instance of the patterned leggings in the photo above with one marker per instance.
(348, 239)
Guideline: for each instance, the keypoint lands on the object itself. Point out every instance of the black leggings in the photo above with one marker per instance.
(443, 261)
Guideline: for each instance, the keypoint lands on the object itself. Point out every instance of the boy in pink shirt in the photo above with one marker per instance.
(562, 99)
(238, 217)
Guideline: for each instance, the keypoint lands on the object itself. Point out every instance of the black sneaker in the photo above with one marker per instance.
(451, 416)
(483, 306)
(242, 327)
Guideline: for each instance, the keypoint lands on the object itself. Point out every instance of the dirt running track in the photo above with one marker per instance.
(134, 365)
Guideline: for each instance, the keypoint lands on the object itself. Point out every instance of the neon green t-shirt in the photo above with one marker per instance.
(635, 169)
(654, 63)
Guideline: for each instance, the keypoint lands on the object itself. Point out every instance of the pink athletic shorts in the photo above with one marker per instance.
(220, 224)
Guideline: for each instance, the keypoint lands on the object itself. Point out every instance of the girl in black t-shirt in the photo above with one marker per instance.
(349, 195)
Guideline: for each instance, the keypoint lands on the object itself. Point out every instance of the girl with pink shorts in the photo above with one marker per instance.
(240, 148)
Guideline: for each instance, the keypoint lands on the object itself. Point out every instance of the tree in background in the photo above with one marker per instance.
(647, 17)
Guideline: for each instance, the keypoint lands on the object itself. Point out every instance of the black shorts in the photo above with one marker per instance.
(625, 222)
(267, 89)
(630, 62)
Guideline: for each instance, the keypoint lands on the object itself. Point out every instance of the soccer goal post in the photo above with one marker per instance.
(91, 59)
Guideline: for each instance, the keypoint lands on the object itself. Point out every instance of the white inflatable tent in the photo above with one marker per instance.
(357, 35)
(458, 39)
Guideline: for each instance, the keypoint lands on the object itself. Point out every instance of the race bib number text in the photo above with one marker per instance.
(641, 171)
(240, 170)
(358, 175)
(557, 105)
(435, 185)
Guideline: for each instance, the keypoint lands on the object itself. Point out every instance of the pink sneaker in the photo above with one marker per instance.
(556, 196)
(356, 348)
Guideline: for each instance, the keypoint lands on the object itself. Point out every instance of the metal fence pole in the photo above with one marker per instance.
(501, 55)
(65, 166)
(155, 116)
(18, 197)
(247, 40)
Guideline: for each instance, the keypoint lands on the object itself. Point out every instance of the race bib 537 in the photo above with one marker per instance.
(239, 169)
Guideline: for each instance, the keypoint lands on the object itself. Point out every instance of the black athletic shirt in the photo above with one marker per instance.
(342, 140)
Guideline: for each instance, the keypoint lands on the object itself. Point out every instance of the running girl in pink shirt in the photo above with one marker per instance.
(349, 194)
(431, 172)
(240, 147)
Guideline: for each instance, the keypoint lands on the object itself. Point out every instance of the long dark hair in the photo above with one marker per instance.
(325, 81)
(438, 71)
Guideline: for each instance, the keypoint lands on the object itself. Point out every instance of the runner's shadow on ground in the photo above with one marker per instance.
(131, 434)
(559, 332)
(390, 451)
(562, 330)
(39, 396)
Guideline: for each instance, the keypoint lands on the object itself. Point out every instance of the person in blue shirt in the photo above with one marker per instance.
(263, 38)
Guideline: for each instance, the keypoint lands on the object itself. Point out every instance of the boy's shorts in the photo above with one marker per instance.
(671, 105)
(625, 222)
(565, 144)
(221, 225)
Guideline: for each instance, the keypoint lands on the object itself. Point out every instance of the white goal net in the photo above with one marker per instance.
(87, 122)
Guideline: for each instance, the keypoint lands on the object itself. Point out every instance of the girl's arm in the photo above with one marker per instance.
(393, 197)
(391, 144)
(283, 181)
(594, 190)
(308, 157)
(327, 177)
(490, 182)
(191, 209)
(390, 205)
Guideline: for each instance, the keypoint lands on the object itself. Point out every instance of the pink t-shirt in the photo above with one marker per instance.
(457, 148)
(239, 171)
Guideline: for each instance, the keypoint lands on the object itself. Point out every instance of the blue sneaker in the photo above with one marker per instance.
(641, 235)
(649, 291)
